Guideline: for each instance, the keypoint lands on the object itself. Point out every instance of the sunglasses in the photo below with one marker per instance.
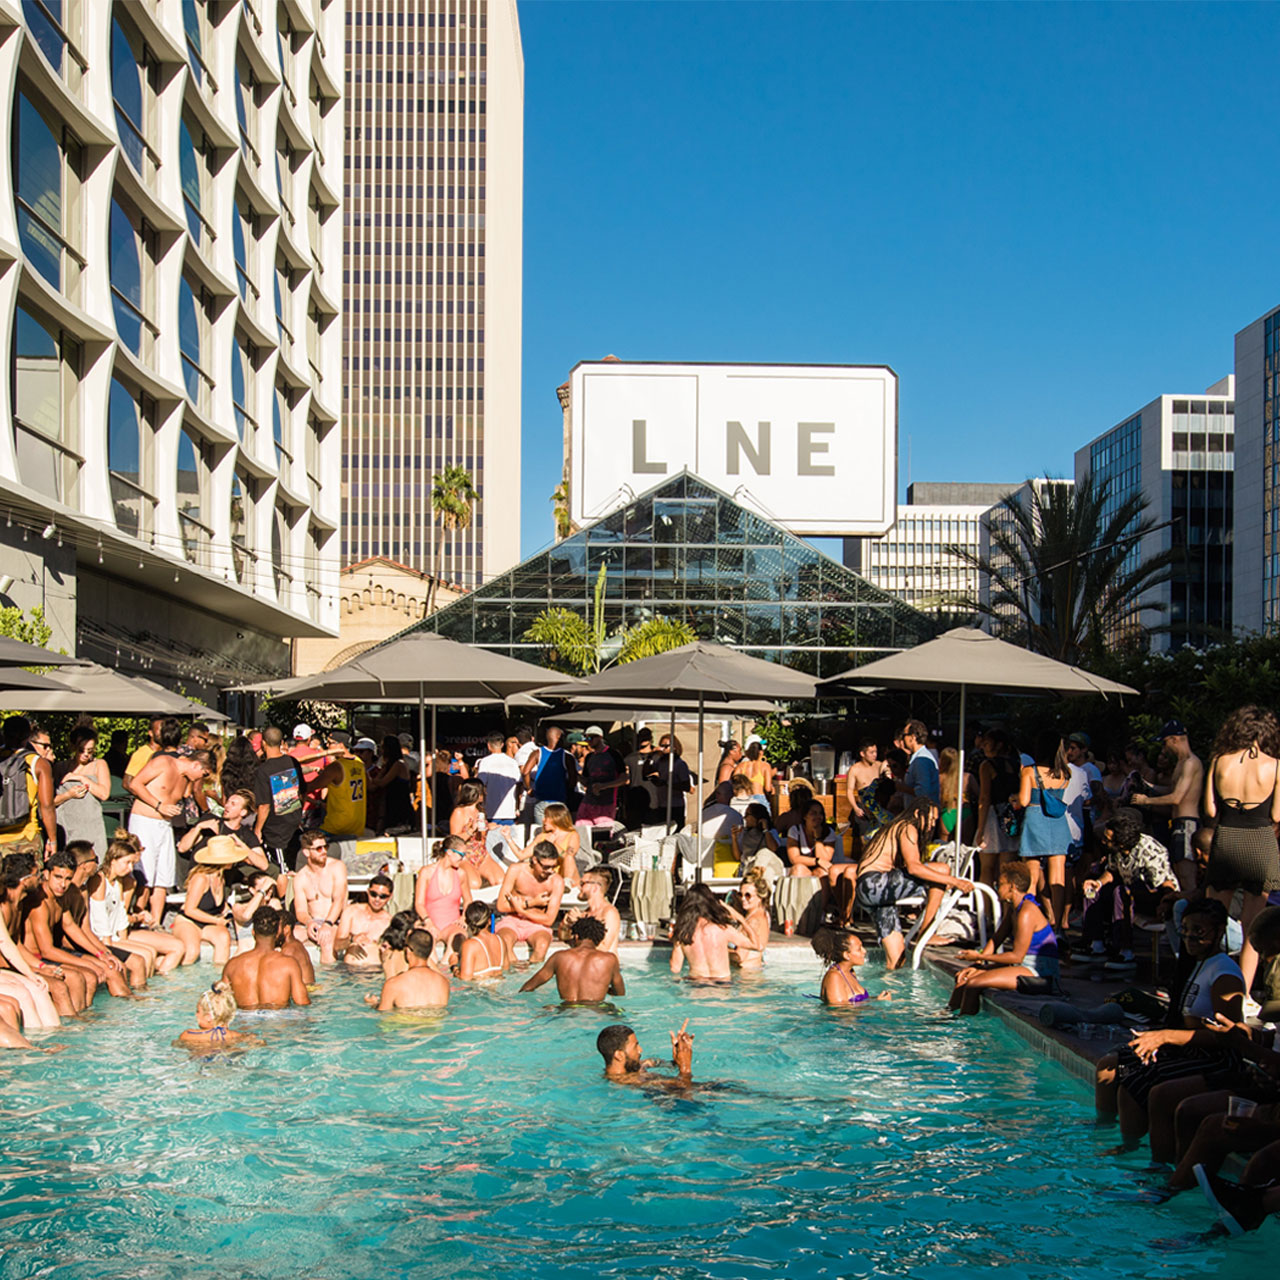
(378, 897)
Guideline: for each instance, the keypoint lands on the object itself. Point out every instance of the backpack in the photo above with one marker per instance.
(15, 799)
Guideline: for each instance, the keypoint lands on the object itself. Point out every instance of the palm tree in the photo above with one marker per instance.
(1066, 574)
(560, 511)
(452, 493)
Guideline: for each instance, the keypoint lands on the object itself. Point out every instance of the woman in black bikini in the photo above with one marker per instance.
(1240, 791)
(203, 917)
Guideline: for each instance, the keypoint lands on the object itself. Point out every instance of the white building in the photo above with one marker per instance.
(1178, 451)
(912, 560)
(171, 319)
(433, 208)
(1256, 560)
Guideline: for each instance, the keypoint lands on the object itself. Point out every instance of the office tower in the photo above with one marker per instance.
(432, 280)
(170, 469)
(1256, 560)
(1178, 451)
(912, 560)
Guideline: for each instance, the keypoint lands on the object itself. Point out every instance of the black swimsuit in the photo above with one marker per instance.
(209, 905)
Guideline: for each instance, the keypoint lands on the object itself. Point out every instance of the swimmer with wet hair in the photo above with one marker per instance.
(482, 953)
(266, 978)
(618, 1046)
(584, 974)
(842, 949)
(420, 986)
(214, 1011)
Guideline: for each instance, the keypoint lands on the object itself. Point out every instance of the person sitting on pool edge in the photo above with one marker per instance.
(363, 923)
(618, 1046)
(1032, 953)
(584, 973)
(265, 978)
(420, 986)
(529, 900)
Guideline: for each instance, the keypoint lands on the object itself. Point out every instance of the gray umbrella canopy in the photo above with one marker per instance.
(16, 680)
(711, 672)
(95, 688)
(975, 660)
(17, 653)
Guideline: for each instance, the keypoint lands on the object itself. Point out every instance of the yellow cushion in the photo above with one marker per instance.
(725, 870)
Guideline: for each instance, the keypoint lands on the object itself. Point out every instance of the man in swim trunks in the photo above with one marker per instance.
(529, 900)
(363, 924)
(584, 974)
(1182, 797)
(420, 986)
(319, 895)
(595, 889)
(623, 1064)
(264, 978)
(158, 790)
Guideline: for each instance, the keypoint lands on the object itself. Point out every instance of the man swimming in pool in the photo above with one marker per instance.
(584, 974)
(620, 1050)
(529, 900)
(420, 986)
(264, 978)
(362, 924)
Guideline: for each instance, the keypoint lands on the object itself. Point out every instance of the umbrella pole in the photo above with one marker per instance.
(424, 777)
(697, 840)
(960, 780)
(671, 759)
(433, 762)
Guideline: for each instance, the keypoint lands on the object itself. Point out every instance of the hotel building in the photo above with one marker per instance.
(171, 245)
(432, 280)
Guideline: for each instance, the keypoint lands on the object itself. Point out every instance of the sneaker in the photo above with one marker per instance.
(1123, 963)
(1239, 1209)
(1098, 948)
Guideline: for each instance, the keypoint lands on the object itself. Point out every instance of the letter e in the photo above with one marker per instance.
(807, 446)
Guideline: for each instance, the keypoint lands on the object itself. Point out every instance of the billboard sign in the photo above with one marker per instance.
(812, 447)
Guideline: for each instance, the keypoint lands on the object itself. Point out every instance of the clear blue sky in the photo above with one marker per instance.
(1041, 216)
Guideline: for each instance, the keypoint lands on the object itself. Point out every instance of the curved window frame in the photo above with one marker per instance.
(39, 151)
(279, 541)
(131, 486)
(132, 313)
(133, 132)
(196, 378)
(243, 235)
(44, 387)
(240, 525)
(246, 96)
(245, 371)
(195, 25)
(280, 285)
(193, 167)
(194, 532)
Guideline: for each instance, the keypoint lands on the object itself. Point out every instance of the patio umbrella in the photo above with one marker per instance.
(100, 689)
(694, 675)
(16, 680)
(16, 653)
(972, 659)
(431, 670)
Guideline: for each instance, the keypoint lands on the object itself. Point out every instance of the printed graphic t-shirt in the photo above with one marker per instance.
(279, 784)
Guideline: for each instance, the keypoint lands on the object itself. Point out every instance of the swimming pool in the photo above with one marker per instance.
(888, 1142)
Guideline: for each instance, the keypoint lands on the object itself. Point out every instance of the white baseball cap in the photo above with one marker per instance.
(594, 731)
(752, 739)
(302, 731)
(365, 744)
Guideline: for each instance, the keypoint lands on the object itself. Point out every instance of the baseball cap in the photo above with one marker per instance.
(302, 731)
(366, 744)
(1173, 729)
(575, 738)
(752, 739)
(406, 739)
(594, 731)
(340, 736)
(1080, 739)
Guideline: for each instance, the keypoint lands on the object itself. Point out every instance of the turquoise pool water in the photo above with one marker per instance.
(486, 1143)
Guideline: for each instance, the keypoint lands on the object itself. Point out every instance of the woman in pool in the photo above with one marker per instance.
(1033, 946)
(204, 910)
(214, 1011)
(891, 868)
(480, 954)
(703, 931)
(110, 892)
(557, 826)
(753, 895)
(442, 890)
(843, 951)
(391, 944)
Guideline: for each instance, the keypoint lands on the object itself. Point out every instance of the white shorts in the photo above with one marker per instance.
(159, 850)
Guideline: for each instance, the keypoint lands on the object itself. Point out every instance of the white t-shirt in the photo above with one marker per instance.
(718, 820)
(500, 775)
(1075, 796)
(523, 753)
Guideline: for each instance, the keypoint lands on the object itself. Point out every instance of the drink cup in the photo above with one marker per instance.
(1240, 1108)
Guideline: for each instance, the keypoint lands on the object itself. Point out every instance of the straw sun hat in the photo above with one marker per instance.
(220, 851)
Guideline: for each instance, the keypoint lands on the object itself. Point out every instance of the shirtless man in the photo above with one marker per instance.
(865, 772)
(623, 1064)
(1183, 797)
(595, 889)
(584, 974)
(51, 926)
(319, 895)
(703, 932)
(70, 990)
(529, 900)
(291, 947)
(362, 925)
(158, 790)
(420, 986)
(264, 978)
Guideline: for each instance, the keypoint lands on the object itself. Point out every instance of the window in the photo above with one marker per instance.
(126, 279)
(282, 185)
(44, 21)
(247, 109)
(190, 489)
(193, 25)
(242, 375)
(279, 535)
(46, 366)
(240, 498)
(192, 167)
(128, 436)
(281, 284)
(42, 208)
(191, 342)
(242, 233)
(279, 426)
(128, 89)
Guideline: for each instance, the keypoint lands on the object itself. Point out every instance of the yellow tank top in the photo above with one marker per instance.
(344, 805)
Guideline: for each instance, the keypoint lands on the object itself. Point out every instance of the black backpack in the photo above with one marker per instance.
(15, 799)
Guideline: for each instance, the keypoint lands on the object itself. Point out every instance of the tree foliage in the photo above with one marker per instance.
(30, 628)
(1065, 575)
(452, 494)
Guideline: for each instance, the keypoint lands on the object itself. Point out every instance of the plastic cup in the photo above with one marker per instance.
(1240, 1108)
